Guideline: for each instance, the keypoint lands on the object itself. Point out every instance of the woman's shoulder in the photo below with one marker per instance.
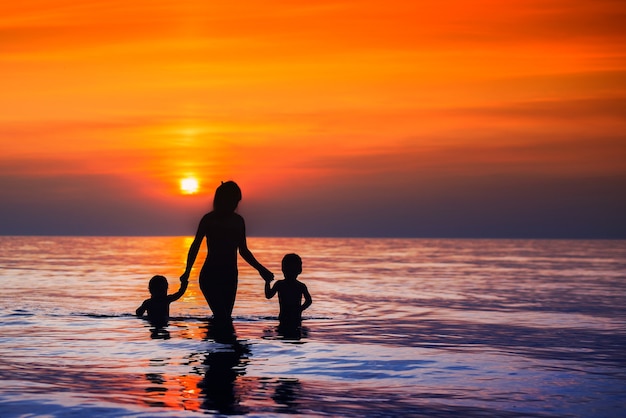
(215, 220)
(207, 217)
(216, 215)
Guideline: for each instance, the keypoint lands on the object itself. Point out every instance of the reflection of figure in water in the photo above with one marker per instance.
(158, 306)
(290, 293)
(225, 233)
(286, 395)
(223, 367)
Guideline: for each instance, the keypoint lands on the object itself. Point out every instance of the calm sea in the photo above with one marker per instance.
(398, 327)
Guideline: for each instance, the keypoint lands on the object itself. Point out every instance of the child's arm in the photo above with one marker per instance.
(269, 292)
(140, 310)
(307, 297)
(181, 291)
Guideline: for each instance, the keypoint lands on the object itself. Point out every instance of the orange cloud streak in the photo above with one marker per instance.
(281, 91)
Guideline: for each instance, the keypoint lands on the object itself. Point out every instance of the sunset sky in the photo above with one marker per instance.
(336, 117)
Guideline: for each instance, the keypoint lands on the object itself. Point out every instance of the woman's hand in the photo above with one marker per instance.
(267, 275)
(184, 277)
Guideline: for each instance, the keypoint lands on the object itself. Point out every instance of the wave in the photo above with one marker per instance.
(192, 318)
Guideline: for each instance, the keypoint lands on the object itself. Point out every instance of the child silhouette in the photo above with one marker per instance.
(290, 293)
(158, 306)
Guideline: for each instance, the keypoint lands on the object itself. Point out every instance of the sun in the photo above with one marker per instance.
(189, 185)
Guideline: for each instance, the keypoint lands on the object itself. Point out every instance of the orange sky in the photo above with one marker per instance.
(289, 97)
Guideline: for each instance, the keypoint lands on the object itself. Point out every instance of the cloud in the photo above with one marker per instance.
(338, 117)
(91, 205)
(362, 203)
(609, 107)
(487, 207)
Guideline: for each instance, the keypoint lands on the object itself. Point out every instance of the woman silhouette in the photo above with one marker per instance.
(225, 233)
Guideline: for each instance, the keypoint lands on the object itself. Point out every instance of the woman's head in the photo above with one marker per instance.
(227, 197)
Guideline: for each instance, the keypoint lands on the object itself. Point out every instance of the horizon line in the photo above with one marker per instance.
(548, 238)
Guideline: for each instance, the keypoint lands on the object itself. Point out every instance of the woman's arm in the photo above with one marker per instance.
(193, 249)
(247, 255)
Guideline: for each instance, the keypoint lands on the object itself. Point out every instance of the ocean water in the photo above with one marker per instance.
(398, 327)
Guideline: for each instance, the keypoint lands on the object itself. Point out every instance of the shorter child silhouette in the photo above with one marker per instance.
(158, 306)
(290, 293)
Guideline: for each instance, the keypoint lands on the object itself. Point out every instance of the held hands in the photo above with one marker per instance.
(184, 277)
(267, 275)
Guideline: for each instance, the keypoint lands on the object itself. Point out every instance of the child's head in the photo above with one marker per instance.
(292, 265)
(227, 197)
(158, 286)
